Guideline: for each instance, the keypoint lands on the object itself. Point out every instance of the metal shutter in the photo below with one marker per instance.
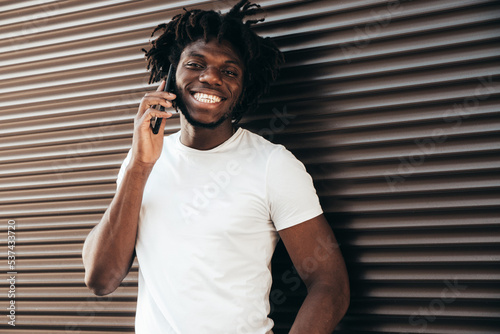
(393, 106)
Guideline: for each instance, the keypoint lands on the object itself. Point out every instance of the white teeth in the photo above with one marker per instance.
(205, 98)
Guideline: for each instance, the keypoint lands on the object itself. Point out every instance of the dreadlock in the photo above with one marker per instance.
(259, 55)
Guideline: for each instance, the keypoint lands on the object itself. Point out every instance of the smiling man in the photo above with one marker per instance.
(213, 102)
(204, 208)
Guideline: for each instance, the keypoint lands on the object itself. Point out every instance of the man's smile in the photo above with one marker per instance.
(207, 98)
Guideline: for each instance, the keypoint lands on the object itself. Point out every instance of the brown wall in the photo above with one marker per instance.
(394, 107)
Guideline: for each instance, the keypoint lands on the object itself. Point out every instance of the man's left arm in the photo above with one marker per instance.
(319, 262)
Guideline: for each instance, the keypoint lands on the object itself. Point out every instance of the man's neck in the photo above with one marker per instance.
(205, 139)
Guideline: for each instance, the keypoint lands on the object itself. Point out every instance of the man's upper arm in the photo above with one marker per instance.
(297, 215)
(314, 252)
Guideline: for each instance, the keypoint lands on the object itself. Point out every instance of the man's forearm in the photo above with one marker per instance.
(109, 248)
(322, 310)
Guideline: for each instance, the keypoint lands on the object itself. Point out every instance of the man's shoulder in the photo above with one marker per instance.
(258, 140)
(274, 153)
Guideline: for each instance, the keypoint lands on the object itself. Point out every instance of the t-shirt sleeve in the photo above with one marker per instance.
(291, 194)
(122, 168)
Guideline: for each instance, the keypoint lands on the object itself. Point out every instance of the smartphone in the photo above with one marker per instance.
(169, 87)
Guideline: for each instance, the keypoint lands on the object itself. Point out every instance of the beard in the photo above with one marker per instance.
(179, 104)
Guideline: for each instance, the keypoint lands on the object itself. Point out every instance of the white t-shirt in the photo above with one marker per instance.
(208, 229)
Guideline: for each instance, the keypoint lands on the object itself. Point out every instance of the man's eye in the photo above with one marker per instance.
(230, 73)
(195, 65)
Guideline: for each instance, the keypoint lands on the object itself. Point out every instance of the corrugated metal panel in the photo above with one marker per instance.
(392, 105)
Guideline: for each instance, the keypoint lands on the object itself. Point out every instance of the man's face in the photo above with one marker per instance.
(209, 82)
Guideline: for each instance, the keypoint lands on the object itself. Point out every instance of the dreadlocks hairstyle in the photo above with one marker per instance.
(259, 55)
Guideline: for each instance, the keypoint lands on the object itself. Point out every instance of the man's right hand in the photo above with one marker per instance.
(146, 146)
(108, 251)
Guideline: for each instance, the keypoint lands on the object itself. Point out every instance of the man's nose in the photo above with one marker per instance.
(212, 76)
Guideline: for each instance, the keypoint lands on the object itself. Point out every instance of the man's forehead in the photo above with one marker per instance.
(202, 49)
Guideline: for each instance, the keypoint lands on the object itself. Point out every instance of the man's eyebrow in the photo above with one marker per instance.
(230, 61)
(194, 54)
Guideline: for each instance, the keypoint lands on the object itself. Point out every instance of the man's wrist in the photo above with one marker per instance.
(139, 169)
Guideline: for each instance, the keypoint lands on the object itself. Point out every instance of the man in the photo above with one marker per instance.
(204, 208)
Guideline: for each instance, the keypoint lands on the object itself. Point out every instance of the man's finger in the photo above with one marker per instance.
(161, 86)
(151, 101)
(152, 112)
(165, 95)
